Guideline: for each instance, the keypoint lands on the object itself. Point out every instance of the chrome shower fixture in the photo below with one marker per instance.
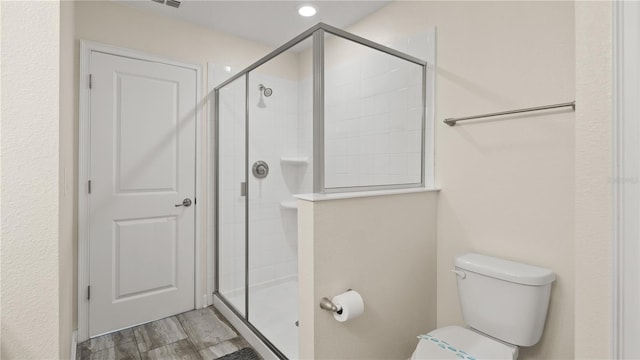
(265, 90)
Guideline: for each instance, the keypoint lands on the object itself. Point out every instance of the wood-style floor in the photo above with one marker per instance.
(202, 334)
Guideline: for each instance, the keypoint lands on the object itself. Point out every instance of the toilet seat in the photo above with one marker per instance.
(455, 342)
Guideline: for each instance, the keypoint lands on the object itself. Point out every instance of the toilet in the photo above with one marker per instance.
(504, 305)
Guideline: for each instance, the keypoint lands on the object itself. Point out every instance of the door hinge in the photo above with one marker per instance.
(243, 189)
(195, 200)
(88, 292)
(90, 81)
(89, 186)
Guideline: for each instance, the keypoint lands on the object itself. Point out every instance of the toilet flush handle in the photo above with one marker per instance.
(460, 273)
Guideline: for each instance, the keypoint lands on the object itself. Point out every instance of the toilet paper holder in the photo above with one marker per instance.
(326, 304)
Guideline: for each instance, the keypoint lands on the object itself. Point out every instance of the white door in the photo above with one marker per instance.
(142, 164)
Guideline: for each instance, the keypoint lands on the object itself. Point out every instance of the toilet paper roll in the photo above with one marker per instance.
(351, 305)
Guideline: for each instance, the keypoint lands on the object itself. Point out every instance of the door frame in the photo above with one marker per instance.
(86, 47)
(626, 178)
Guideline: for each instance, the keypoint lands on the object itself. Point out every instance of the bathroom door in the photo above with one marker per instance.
(141, 202)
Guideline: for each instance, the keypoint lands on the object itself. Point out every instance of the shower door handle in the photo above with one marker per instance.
(186, 203)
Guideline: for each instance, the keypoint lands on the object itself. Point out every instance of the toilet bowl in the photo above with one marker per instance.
(504, 305)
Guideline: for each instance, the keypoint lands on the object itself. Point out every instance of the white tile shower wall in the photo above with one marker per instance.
(373, 113)
(273, 134)
(305, 130)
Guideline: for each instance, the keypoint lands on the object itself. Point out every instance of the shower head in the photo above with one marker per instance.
(265, 90)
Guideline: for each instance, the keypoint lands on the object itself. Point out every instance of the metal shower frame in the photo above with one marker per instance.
(317, 33)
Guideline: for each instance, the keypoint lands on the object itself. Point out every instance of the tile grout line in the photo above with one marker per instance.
(181, 321)
(135, 339)
(182, 324)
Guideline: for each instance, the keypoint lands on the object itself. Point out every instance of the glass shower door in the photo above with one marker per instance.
(339, 115)
(232, 200)
(277, 171)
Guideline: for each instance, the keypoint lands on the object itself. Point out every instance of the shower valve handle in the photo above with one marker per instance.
(260, 169)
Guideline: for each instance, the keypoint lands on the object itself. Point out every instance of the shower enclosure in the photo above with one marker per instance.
(327, 112)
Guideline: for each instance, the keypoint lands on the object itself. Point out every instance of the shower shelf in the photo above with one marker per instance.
(294, 160)
(289, 204)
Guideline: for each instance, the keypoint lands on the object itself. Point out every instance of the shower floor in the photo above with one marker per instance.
(274, 311)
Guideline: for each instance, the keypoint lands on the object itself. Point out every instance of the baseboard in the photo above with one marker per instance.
(74, 344)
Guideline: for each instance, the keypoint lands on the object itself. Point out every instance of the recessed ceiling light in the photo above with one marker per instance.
(307, 11)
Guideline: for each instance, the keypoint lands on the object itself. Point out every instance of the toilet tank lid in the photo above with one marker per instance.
(512, 271)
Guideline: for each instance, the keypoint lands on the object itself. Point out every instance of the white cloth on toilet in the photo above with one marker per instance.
(455, 342)
(436, 348)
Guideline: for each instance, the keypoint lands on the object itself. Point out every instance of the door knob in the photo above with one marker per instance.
(186, 203)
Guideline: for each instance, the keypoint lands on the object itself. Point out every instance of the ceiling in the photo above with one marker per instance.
(268, 22)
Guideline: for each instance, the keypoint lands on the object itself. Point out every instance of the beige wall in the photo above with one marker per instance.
(383, 247)
(593, 148)
(29, 176)
(116, 24)
(507, 185)
(68, 111)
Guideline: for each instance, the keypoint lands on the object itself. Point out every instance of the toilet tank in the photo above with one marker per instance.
(504, 299)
